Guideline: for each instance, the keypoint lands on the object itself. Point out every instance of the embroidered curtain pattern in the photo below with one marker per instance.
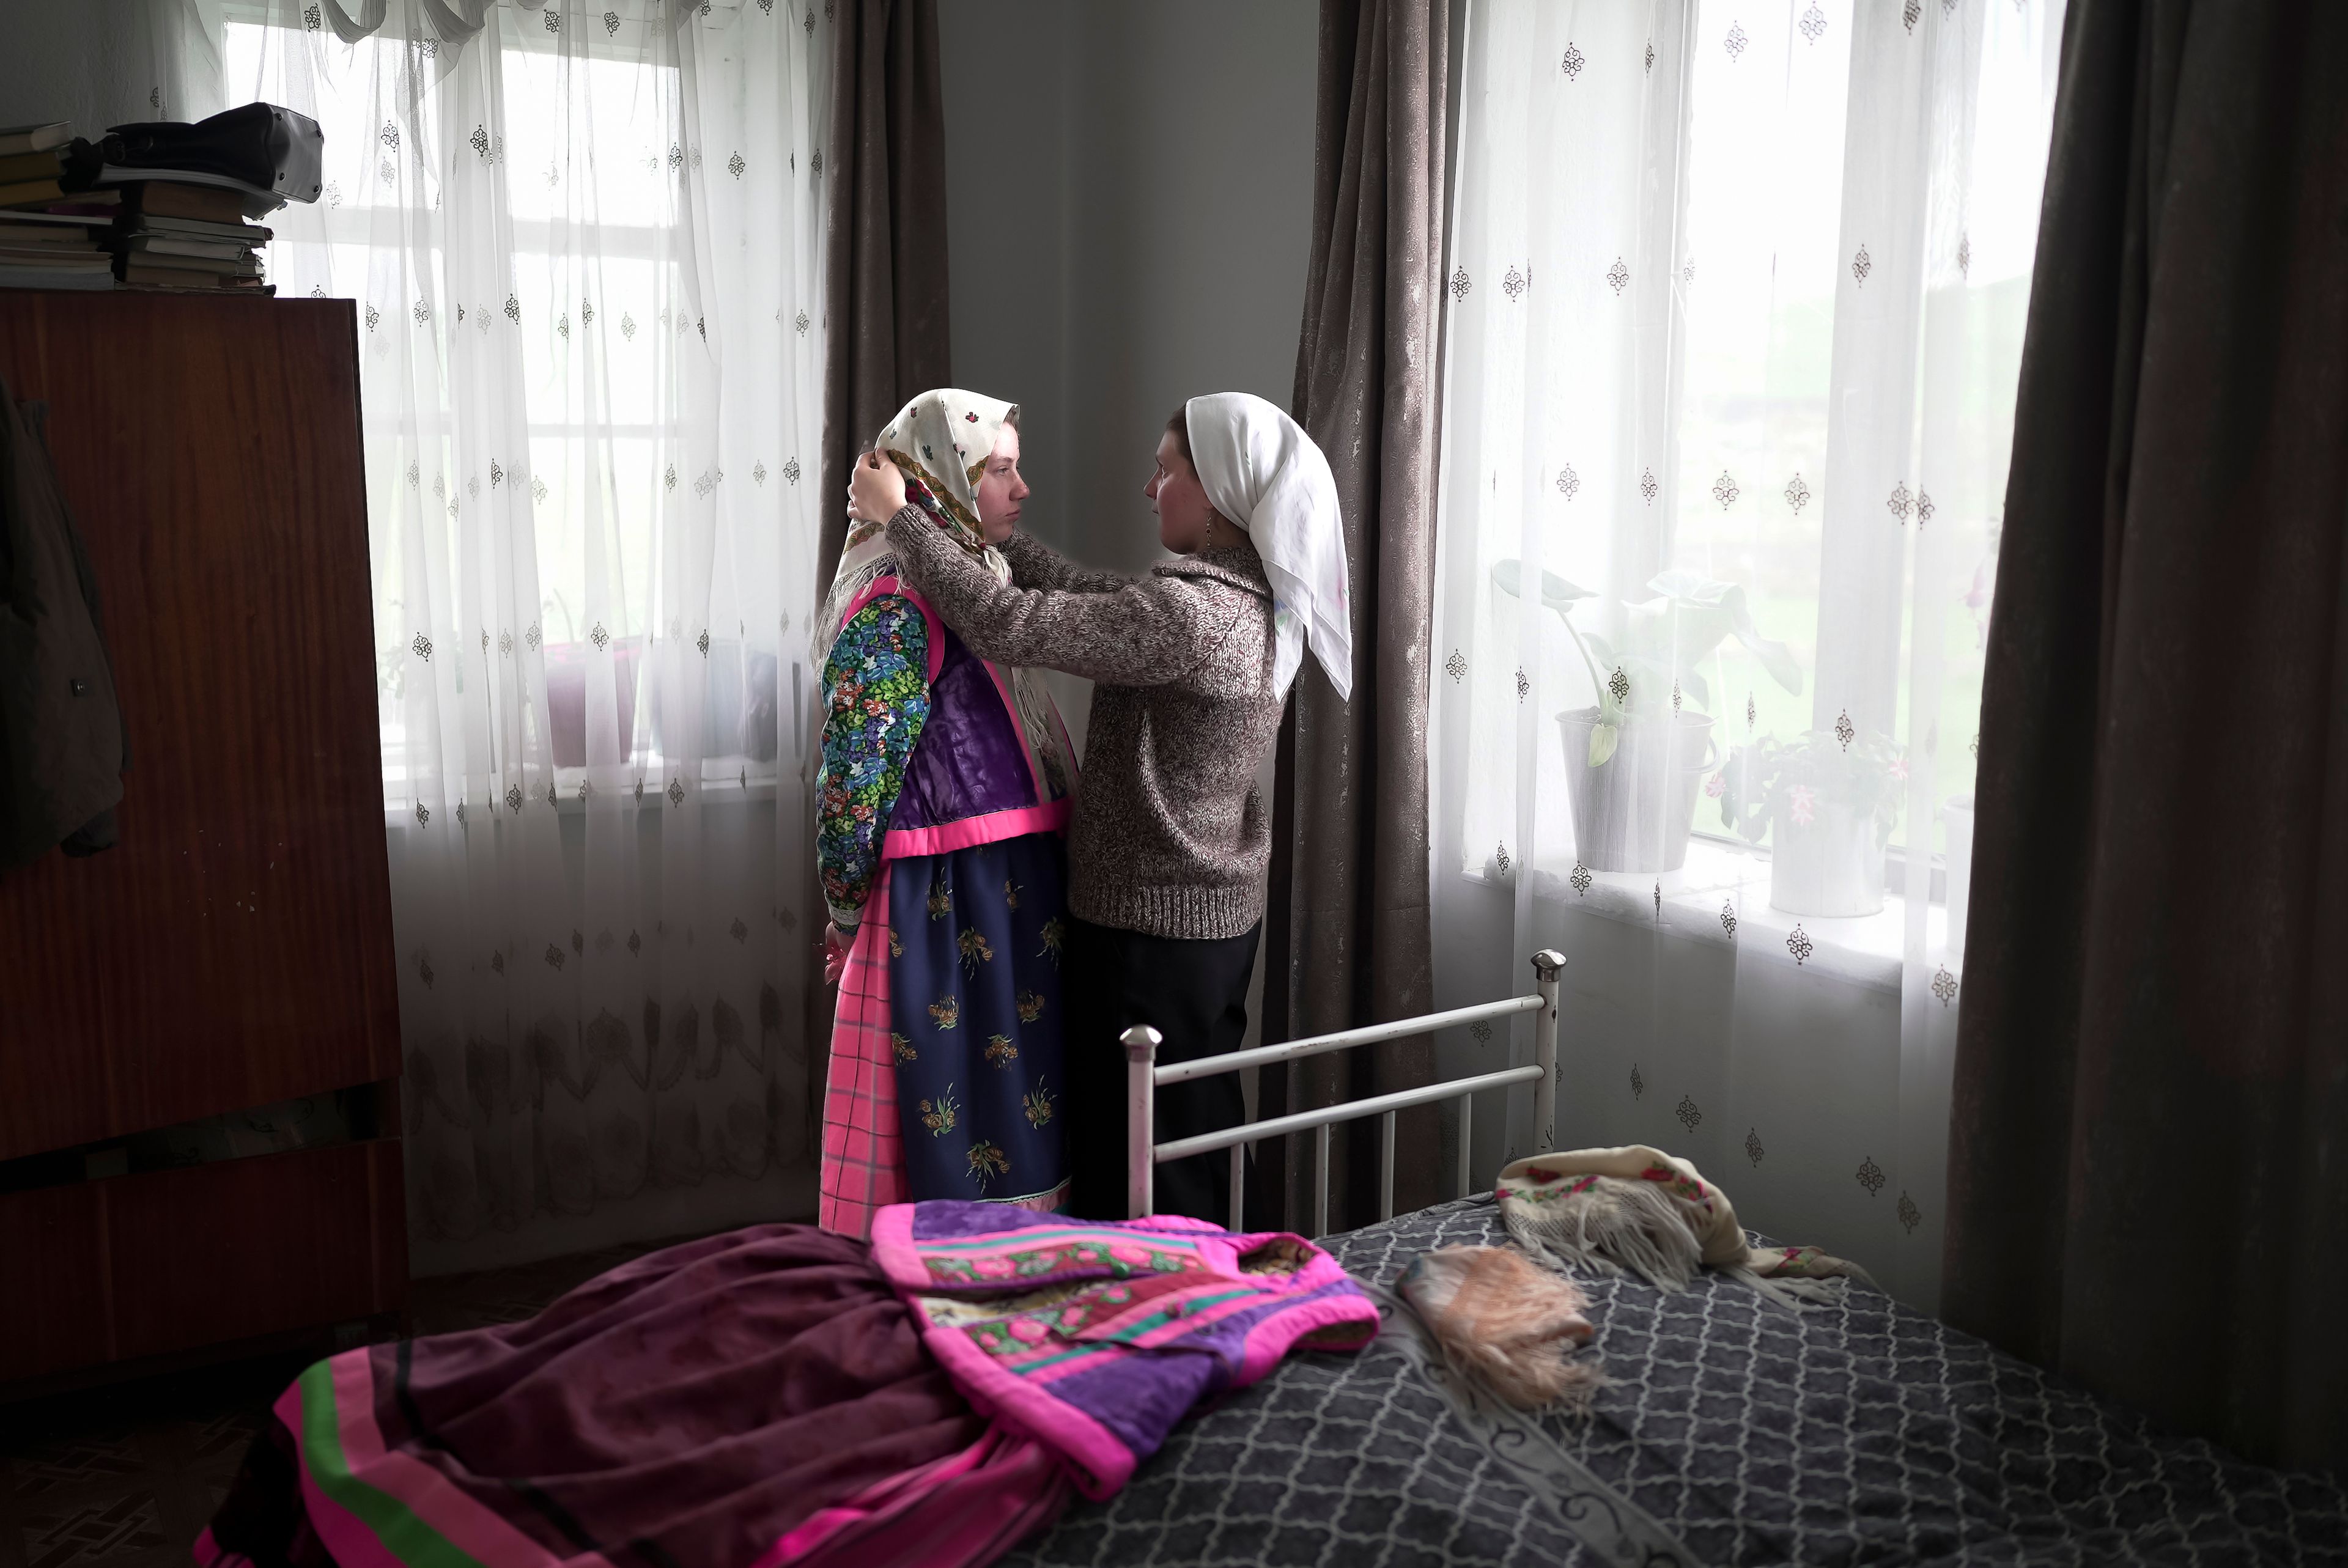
(1734, 313)
(584, 245)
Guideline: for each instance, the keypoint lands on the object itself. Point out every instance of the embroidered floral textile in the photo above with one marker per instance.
(979, 1005)
(1095, 1339)
(877, 684)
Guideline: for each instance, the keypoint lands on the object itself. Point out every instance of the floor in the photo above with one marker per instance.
(126, 1477)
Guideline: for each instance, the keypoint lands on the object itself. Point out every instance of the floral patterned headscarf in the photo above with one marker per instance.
(941, 441)
(1638, 1208)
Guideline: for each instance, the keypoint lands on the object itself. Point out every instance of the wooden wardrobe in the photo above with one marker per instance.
(234, 948)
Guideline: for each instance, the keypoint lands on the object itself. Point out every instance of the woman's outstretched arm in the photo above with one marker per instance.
(1149, 632)
(1035, 564)
(876, 687)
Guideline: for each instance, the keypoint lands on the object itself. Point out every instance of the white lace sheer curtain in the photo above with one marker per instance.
(585, 248)
(1734, 320)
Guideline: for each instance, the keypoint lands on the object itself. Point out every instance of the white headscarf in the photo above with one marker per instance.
(1260, 470)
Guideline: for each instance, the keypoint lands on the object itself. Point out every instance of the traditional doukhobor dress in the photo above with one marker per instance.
(782, 1395)
(945, 798)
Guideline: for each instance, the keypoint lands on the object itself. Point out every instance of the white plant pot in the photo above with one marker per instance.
(1830, 866)
(1634, 812)
(1958, 814)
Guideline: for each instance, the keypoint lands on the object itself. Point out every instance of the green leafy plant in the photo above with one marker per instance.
(1869, 776)
(1659, 647)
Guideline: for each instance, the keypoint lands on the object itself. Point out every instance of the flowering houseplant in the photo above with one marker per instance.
(1807, 775)
(1653, 665)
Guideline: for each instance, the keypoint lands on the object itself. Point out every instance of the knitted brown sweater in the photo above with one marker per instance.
(1171, 837)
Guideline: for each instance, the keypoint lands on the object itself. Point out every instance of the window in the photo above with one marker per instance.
(1735, 322)
(587, 365)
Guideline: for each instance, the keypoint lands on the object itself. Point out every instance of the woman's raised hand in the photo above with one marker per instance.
(876, 492)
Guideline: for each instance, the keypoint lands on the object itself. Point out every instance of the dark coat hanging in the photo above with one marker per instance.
(62, 750)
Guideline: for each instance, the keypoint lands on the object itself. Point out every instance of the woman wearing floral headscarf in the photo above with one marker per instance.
(943, 795)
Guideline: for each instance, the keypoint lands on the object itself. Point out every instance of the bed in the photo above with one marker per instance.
(1733, 1431)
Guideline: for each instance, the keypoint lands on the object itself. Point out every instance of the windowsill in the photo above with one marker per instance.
(1863, 949)
(568, 802)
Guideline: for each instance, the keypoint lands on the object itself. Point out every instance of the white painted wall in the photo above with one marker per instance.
(1129, 222)
(1129, 217)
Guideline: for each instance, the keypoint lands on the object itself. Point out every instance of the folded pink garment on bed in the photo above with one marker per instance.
(1096, 1339)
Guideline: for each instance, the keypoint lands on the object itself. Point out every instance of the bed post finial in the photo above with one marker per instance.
(1141, 1043)
(1547, 965)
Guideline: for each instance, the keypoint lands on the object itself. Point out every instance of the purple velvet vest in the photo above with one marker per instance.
(979, 774)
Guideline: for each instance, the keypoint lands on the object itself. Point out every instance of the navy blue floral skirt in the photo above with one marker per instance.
(974, 1019)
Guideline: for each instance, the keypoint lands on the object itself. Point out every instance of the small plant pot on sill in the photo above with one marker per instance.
(1830, 866)
(1632, 812)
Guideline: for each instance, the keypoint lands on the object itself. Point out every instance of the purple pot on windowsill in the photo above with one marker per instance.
(568, 668)
(739, 703)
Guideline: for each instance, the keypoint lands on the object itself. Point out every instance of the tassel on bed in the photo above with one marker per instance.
(1514, 1326)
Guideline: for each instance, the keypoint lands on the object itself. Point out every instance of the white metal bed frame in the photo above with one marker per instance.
(1144, 1076)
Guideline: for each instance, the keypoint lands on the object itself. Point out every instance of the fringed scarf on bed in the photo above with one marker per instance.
(1652, 1214)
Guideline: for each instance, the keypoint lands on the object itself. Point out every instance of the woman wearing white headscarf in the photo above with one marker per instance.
(1191, 666)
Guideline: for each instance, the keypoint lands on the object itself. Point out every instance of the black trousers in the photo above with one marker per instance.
(1194, 993)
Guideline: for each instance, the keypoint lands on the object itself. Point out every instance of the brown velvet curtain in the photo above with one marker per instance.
(1347, 938)
(884, 302)
(2148, 1165)
(885, 237)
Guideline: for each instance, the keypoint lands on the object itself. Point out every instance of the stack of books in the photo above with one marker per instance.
(181, 236)
(51, 237)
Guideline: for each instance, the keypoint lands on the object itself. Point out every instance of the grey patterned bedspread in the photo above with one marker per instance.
(1861, 1433)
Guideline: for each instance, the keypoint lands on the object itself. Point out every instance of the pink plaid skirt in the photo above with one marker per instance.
(864, 1146)
(864, 1169)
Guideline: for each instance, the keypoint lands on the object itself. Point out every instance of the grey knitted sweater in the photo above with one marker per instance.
(1171, 837)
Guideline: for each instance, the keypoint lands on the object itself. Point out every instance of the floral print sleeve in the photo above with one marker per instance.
(876, 686)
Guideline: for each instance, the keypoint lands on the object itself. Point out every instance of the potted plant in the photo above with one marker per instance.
(1635, 761)
(1826, 800)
